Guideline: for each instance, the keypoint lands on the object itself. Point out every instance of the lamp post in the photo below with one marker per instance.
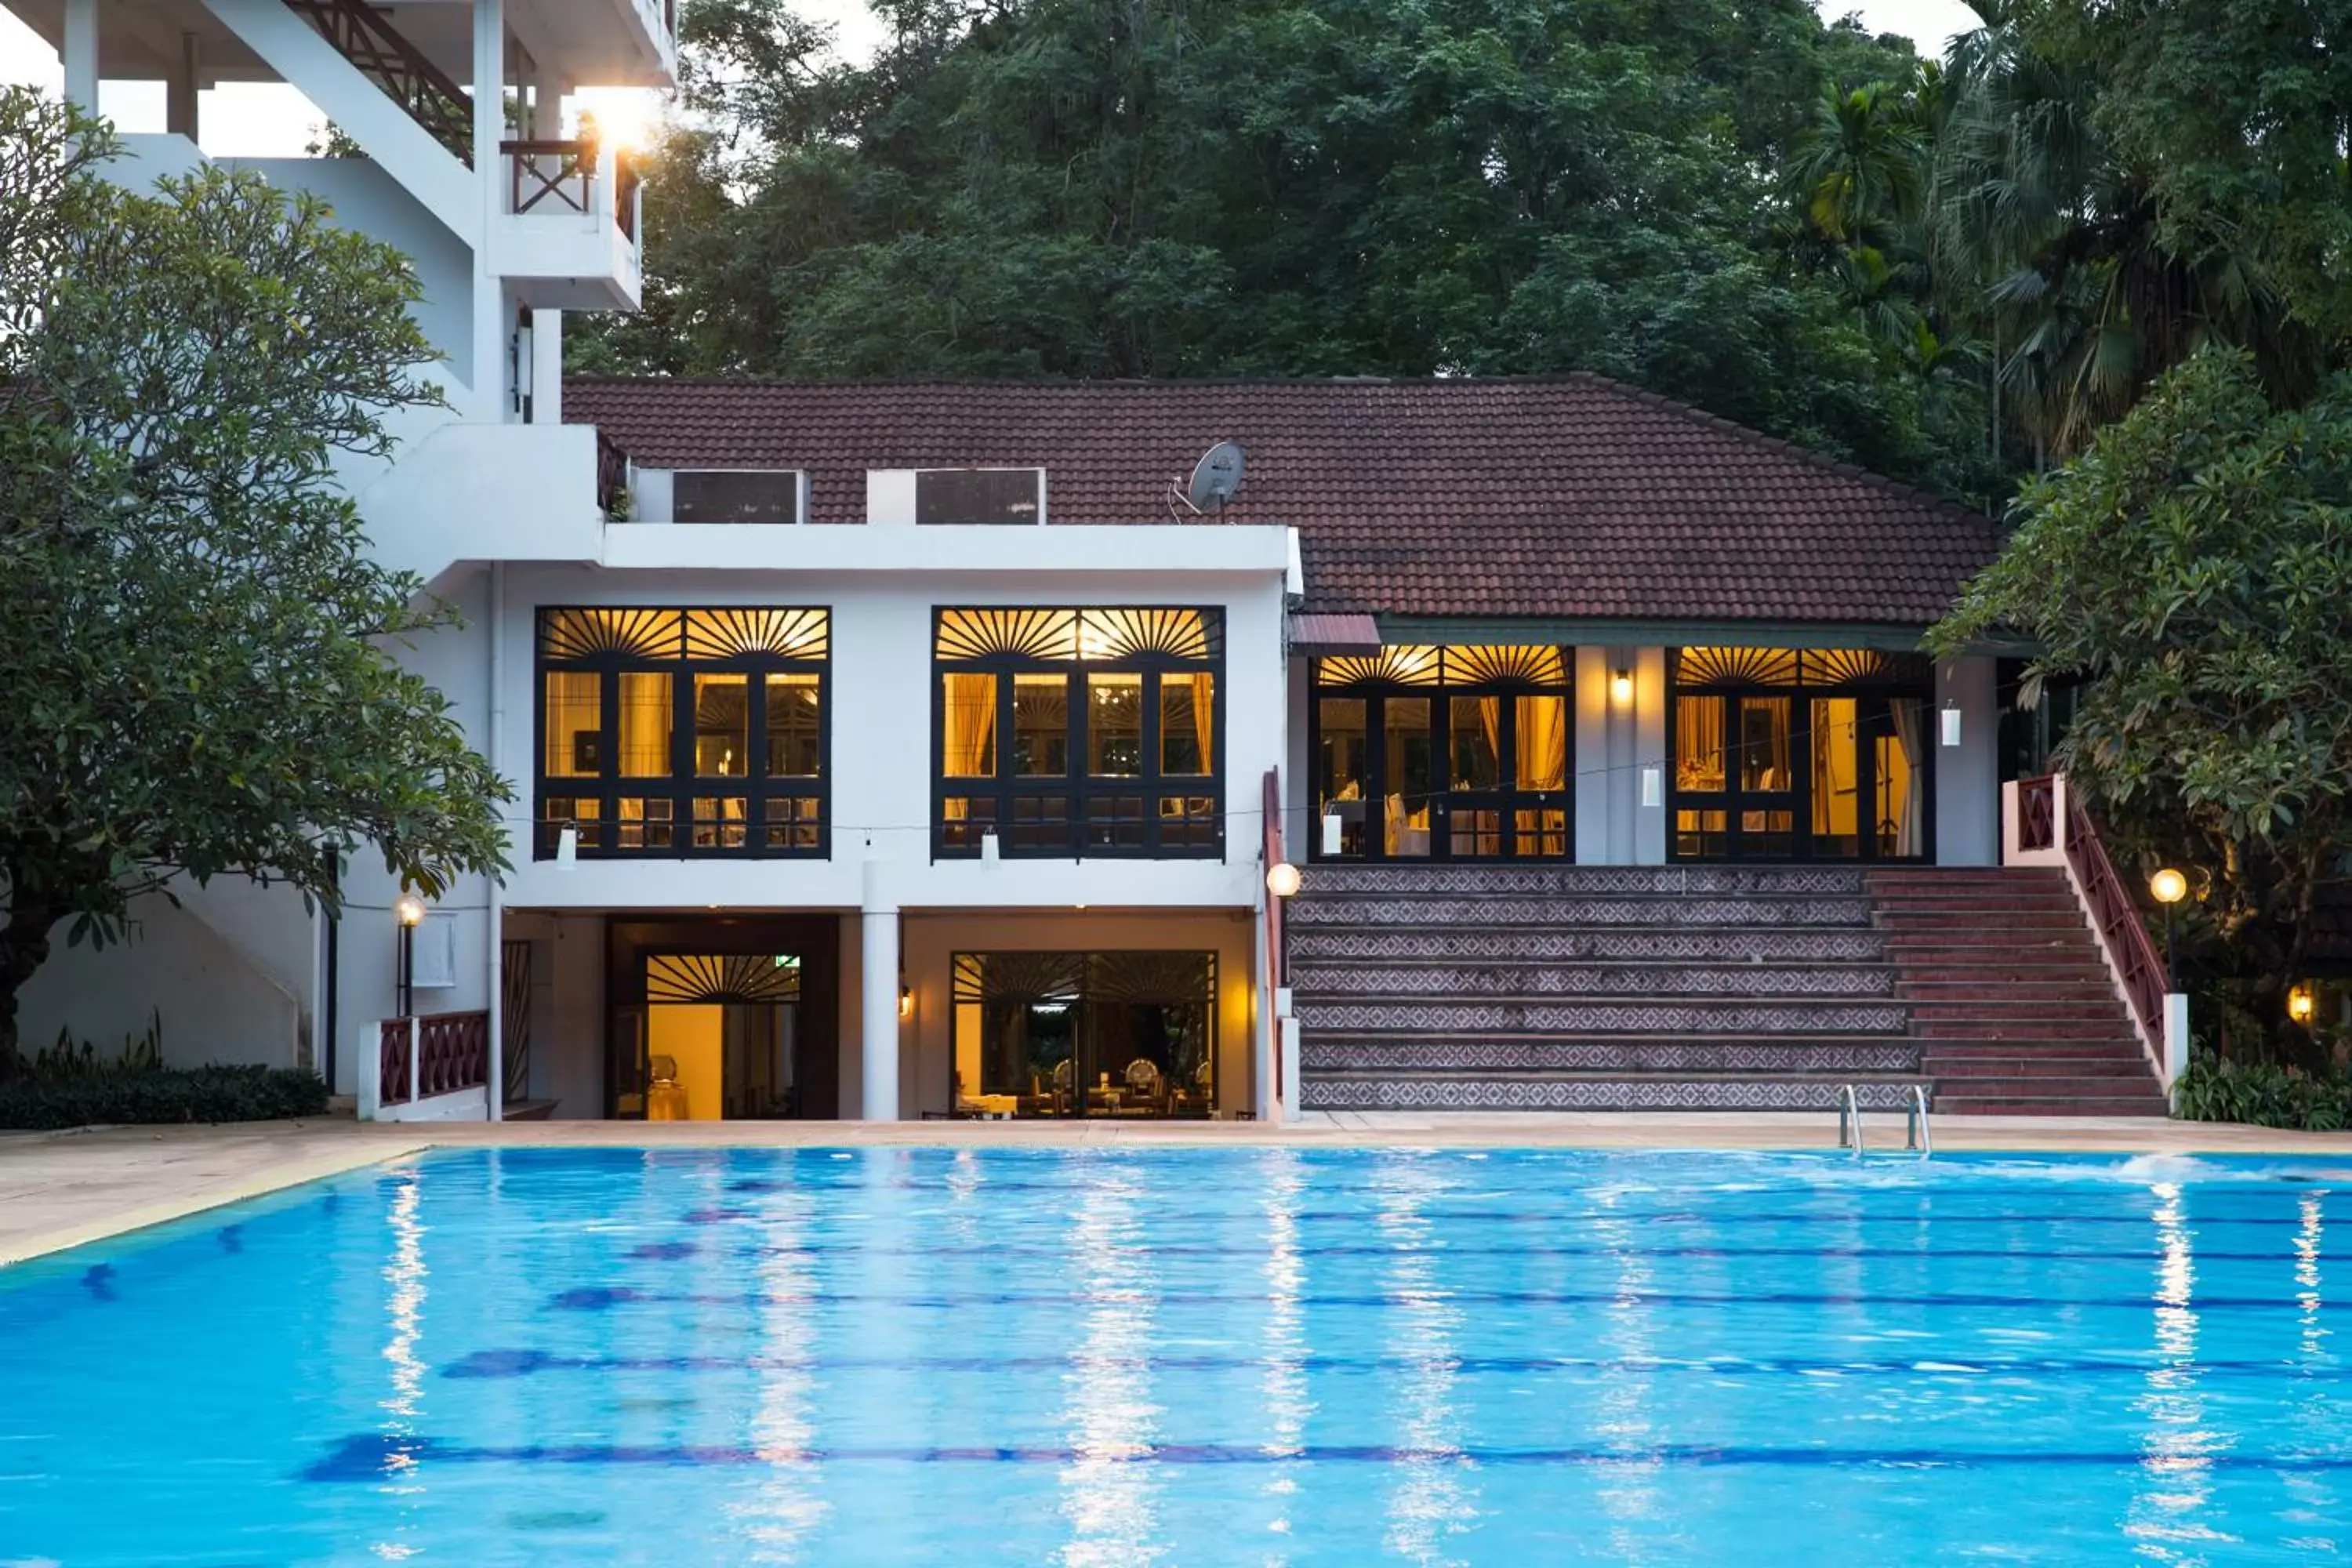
(410, 912)
(2169, 887)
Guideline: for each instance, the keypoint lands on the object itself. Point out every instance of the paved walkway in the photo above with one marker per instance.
(59, 1190)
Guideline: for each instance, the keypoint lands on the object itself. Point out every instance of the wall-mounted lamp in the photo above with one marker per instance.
(1951, 717)
(2300, 1004)
(1621, 687)
(1653, 785)
(1282, 879)
(905, 1002)
(567, 847)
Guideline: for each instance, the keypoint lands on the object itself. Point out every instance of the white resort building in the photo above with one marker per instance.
(897, 751)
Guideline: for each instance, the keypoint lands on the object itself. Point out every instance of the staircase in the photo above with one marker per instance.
(2009, 998)
(364, 36)
(1690, 988)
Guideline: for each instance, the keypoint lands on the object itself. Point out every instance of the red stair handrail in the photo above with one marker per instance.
(2108, 900)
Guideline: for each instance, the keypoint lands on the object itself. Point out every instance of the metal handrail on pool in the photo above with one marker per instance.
(1849, 1121)
(1915, 1133)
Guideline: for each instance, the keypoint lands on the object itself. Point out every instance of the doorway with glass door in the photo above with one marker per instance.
(1788, 754)
(1457, 753)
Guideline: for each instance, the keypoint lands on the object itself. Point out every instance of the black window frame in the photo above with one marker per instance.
(1086, 967)
(799, 489)
(942, 511)
(1096, 808)
(682, 787)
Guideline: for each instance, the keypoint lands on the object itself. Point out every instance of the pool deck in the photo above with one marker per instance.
(59, 1190)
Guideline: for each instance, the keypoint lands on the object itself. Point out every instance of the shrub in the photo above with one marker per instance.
(174, 1095)
(2262, 1094)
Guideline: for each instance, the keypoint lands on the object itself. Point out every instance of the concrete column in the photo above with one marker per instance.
(180, 91)
(492, 321)
(547, 367)
(1650, 750)
(878, 989)
(81, 54)
(1968, 777)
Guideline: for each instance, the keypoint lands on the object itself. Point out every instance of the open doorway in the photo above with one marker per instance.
(723, 1020)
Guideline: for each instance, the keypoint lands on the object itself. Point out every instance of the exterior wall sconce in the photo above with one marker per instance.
(1621, 688)
(567, 847)
(1282, 879)
(906, 1003)
(2300, 1004)
(1951, 718)
(1653, 785)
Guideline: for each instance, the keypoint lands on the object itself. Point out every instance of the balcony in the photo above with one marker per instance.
(569, 235)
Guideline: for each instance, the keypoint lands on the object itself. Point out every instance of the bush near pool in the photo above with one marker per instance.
(164, 1095)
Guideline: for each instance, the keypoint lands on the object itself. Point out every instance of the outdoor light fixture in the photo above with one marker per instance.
(1621, 687)
(1653, 785)
(409, 910)
(2299, 1004)
(567, 847)
(1282, 879)
(2169, 887)
(1951, 717)
(905, 1002)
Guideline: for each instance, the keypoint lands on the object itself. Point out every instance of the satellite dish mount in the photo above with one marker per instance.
(1216, 478)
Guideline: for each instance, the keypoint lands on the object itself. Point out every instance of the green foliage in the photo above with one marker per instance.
(198, 677)
(2193, 568)
(1088, 188)
(67, 1062)
(2261, 1094)
(199, 1094)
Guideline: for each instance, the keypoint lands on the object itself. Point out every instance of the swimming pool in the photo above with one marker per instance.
(1195, 1357)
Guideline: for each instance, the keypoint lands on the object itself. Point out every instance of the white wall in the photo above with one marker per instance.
(214, 1004)
(1968, 777)
(568, 1015)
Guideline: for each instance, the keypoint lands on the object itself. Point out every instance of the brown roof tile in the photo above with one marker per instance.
(1570, 497)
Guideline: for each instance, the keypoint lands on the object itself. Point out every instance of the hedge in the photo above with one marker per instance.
(193, 1094)
(2261, 1094)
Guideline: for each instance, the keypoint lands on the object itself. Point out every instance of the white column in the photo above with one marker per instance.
(180, 91)
(80, 53)
(878, 986)
(547, 367)
(492, 322)
(495, 996)
(2176, 1037)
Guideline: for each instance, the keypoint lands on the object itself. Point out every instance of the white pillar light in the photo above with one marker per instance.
(567, 848)
(1653, 785)
(1951, 717)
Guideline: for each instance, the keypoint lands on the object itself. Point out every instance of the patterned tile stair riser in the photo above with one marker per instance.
(1772, 945)
(1659, 1093)
(1469, 1054)
(1794, 1017)
(1584, 881)
(1337, 980)
(1373, 909)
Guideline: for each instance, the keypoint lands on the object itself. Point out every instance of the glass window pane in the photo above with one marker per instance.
(1114, 726)
(719, 823)
(1542, 835)
(1341, 780)
(968, 704)
(1187, 707)
(796, 735)
(1477, 833)
(1041, 726)
(1410, 753)
(1474, 725)
(1836, 789)
(646, 719)
(1698, 744)
(574, 747)
(1542, 760)
(1764, 745)
(1702, 835)
(722, 726)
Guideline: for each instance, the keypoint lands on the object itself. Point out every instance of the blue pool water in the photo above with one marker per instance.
(1198, 1357)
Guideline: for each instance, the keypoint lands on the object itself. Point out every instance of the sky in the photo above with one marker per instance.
(254, 122)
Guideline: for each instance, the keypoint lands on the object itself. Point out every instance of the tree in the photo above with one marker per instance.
(197, 674)
(2193, 569)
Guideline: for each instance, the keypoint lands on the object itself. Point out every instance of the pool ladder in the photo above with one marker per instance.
(1918, 1137)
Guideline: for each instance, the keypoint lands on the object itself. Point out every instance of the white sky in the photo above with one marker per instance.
(255, 120)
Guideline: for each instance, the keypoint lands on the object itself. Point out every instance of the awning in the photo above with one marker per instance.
(1331, 635)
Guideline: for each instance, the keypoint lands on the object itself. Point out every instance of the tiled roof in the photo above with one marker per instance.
(1570, 497)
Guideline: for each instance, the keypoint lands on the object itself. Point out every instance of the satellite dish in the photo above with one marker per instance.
(1216, 478)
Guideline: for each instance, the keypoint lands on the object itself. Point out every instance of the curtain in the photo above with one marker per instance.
(1543, 744)
(1490, 717)
(646, 714)
(971, 705)
(1910, 733)
(1699, 742)
(1204, 707)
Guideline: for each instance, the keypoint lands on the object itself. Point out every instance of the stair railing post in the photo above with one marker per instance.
(415, 1061)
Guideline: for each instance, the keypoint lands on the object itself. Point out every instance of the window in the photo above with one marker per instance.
(1086, 1034)
(1078, 732)
(683, 732)
(980, 495)
(735, 494)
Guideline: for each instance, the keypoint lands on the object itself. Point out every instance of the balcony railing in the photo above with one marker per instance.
(364, 36)
(424, 1058)
(612, 479)
(395, 1078)
(558, 177)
